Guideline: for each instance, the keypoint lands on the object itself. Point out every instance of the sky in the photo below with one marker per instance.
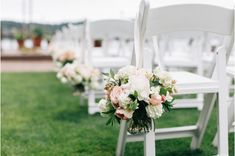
(57, 11)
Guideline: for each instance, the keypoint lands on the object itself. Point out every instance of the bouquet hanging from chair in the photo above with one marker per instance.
(137, 95)
(61, 58)
(80, 76)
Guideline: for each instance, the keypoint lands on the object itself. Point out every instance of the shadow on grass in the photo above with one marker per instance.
(183, 152)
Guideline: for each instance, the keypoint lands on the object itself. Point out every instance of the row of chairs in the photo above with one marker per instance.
(152, 21)
(178, 50)
(113, 50)
(145, 34)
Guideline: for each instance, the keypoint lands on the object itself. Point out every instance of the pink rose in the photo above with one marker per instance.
(163, 98)
(155, 100)
(115, 93)
(124, 114)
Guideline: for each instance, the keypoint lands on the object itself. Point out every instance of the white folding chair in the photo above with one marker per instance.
(77, 37)
(107, 30)
(70, 38)
(231, 112)
(187, 15)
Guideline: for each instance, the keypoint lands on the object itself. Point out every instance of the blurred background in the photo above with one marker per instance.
(37, 110)
(27, 27)
(30, 24)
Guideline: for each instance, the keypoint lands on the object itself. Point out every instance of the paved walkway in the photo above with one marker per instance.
(27, 66)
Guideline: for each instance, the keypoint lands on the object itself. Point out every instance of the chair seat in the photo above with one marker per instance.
(110, 62)
(189, 83)
(179, 62)
(99, 52)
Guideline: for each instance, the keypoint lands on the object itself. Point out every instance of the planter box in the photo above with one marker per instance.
(37, 42)
(20, 43)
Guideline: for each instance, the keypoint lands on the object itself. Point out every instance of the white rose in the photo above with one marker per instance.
(94, 85)
(69, 70)
(59, 75)
(140, 84)
(157, 71)
(124, 100)
(85, 72)
(59, 64)
(169, 97)
(103, 106)
(78, 78)
(155, 90)
(63, 80)
(154, 111)
(125, 72)
(165, 79)
(145, 72)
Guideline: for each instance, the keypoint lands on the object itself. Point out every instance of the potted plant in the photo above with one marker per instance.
(37, 37)
(19, 36)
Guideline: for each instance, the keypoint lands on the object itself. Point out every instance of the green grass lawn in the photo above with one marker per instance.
(41, 117)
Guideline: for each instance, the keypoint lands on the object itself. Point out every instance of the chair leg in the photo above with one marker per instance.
(122, 139)
(210, 100)
(149, 142)
(92, 106)
(222, 127)
(222, 105)
(230, 123)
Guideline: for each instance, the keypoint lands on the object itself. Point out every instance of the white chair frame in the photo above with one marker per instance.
(231, 111)
(191, 102)
(163, 19)
(105, 29)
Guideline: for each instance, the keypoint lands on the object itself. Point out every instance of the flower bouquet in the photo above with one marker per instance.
(80, 76)
(64, 57)
(137, 95)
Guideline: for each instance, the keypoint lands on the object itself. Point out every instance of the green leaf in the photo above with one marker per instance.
(132, 97)
(119, 82)
(111, 73)
(163, 91)
(109, 112)
(106, 74)
(133, 106)
(135, 94)
(109, 121)
(167, 106)
(117, 119)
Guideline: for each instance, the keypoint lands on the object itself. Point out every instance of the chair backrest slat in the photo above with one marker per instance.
(111, 28)
(108, 30)
(191, 17)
